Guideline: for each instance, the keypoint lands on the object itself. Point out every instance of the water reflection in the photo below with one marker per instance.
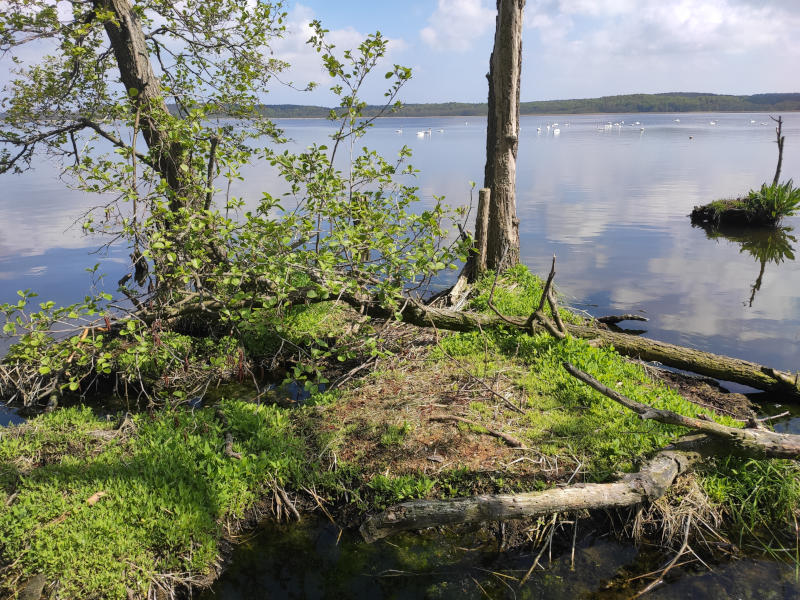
(765, 245)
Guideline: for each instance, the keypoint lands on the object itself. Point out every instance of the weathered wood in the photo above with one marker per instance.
(647, 485)
(750, 442)
(502, 136)
(781, 139)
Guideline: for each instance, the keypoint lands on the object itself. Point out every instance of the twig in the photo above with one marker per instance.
(541, 552)
(511, 441)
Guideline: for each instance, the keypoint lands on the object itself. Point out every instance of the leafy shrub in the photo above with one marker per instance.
(773, 202)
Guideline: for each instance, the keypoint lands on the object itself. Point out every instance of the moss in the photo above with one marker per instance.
(103, 511)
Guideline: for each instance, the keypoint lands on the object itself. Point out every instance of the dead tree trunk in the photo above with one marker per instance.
(502, 136)
(647, 485)
(781, 139)
(680, 357)
(476, 262)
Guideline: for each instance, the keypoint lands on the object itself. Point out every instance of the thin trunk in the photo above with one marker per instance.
(781, 139)
(136, 72)
(502, 134)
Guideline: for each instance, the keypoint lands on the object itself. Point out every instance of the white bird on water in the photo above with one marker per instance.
(398, 131)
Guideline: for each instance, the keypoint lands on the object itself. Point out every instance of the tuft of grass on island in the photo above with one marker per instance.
(671, 102)
(146, 503)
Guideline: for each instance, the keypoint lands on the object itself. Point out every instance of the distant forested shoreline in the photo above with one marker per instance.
(629, 103)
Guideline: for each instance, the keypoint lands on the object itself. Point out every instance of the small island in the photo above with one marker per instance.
(764, 207)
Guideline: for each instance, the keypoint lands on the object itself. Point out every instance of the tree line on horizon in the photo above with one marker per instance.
(628, 103)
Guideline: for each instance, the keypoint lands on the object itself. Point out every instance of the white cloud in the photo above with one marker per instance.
(456, 23)
(305, 63)
(625, 27)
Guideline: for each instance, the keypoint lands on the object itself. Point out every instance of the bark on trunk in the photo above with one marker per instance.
(502, 134)
(133, 60)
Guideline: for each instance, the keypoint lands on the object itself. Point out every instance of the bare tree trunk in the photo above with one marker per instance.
(133, 60)
(781, 139)
(502, 134)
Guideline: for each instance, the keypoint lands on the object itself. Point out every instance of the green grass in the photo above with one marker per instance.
(565, 418)
(168, 492)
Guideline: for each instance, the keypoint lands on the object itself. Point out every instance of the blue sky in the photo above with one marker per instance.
(571, 48)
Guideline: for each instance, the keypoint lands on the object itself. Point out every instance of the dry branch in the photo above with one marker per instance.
(754, 442)
(647, 485)
(511, 441)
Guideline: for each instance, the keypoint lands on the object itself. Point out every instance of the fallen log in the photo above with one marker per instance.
(649, 484)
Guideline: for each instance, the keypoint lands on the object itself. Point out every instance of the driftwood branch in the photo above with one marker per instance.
(648, 484)
(755, 442)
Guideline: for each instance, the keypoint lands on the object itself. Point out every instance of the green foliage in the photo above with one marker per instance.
(168, 492)
(765, 206)
(354, 232)
(395, 434)
(517, 292)
(761, 497)
(773, 202)
(390, 490)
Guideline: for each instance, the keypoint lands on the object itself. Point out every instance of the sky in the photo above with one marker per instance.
(571, 48)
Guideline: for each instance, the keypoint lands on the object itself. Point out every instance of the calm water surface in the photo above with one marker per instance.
(610, 202)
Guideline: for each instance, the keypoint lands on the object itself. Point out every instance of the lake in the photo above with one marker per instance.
(612, 202)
